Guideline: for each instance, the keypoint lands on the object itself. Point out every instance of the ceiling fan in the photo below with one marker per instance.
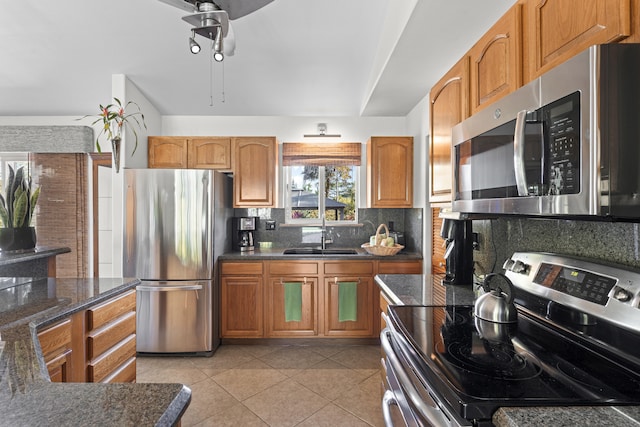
(210, 19)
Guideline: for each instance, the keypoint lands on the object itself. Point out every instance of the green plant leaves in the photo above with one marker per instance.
(16, 208)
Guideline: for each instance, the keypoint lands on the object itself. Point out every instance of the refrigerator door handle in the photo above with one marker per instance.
(169, 288)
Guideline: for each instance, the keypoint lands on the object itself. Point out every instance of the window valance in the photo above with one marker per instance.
(321, 154)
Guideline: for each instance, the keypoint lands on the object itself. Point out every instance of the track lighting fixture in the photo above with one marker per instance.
(193, 44)
(218, 47)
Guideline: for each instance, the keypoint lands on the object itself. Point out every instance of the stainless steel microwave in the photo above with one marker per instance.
(565, 144)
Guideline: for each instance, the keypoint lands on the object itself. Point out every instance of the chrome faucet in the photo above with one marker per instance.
(323, 234)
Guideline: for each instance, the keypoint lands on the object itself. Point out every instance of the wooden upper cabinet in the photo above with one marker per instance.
(255, 164)
(190, 152)
(167, 152)
(449, 106)
(495, 61)
(390, 171)
(557, 30)
(209, 153)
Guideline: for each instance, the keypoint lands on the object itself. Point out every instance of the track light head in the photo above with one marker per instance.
(218, 47)
(193, 44)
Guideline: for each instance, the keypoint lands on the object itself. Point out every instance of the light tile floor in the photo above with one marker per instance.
(276, 385)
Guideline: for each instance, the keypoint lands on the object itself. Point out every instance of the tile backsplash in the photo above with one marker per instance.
(284, 236)
(605, 242)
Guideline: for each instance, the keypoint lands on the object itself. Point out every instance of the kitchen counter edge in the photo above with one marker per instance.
(278, 254)
(30, 398)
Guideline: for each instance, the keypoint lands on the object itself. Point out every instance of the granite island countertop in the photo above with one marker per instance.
(416, 289)
(27, 396)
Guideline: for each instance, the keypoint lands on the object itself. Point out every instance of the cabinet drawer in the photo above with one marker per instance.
(229, 268)
(293, 268)
(100, 340)
(107, 363)
(400, 267)
(55, 337)
(348, 267)
(124, 374)
(103, 313)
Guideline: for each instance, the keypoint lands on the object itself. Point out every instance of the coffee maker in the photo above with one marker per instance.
(243, 234)
(458, 236)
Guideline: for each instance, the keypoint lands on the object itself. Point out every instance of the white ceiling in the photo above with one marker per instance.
(293, 57)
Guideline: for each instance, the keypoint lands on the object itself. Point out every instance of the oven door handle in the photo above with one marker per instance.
(428, 409)
(518, 153)
(388, 399)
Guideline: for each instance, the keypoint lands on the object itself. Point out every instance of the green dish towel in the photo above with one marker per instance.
(347, 301)
(292, 301)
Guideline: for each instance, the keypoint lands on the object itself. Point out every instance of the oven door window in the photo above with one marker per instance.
(484, 165)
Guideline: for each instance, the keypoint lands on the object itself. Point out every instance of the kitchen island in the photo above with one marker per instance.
(27, 395)
(407, 289)
(37, 262)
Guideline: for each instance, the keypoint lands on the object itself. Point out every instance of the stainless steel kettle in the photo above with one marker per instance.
(496, 304)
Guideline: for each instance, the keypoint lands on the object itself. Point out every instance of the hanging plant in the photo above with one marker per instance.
(113, 117)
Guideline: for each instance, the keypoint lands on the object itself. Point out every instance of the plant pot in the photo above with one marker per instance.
(115, 149)
(15, 239)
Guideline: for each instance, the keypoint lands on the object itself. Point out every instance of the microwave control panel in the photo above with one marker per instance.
(562, 123)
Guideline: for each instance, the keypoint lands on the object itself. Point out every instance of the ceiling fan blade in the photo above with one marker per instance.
(237, 8)
(182, 4)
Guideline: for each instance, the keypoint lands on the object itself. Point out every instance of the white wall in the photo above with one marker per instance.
(417, 122)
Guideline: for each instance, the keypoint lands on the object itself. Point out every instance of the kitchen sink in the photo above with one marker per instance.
(318, 251)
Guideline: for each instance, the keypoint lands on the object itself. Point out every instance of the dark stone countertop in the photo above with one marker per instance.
(412, 289)
(27, 396)
(277, 254)
(12, 257)
(417, 289)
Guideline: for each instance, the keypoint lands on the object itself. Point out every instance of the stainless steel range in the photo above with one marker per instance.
(576, 341)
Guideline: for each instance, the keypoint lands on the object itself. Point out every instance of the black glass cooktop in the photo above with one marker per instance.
(478, 366)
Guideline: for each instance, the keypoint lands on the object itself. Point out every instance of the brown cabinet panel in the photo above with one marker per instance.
(277, 325)
(100, 340)
(255, 165)
(400, 267)
(496, 61)
(126, 373)
(293, 267)
(116, 307)
(167, 152)
(55, 342)
(209, 153)
(390, 171)
(557, 30)
(449, 106)
(241, 306)
(240, 268)
(363, 325)
(101, 367)
(350, 268)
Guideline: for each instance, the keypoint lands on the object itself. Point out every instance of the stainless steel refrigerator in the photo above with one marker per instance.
(176, 223)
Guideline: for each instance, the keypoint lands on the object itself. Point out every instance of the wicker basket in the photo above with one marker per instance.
(381, 250)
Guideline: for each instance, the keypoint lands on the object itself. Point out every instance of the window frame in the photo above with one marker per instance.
(287, 175)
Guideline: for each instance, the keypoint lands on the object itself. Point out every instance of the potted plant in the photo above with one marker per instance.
(113, 117)
(16, 211)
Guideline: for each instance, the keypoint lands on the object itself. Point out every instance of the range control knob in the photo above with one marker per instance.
(508, 264)
(520, 267)
(622, 295)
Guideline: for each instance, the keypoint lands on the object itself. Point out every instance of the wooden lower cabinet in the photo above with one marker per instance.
(94, 345)
(251, 300)
(241, 300)
(55, 342)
